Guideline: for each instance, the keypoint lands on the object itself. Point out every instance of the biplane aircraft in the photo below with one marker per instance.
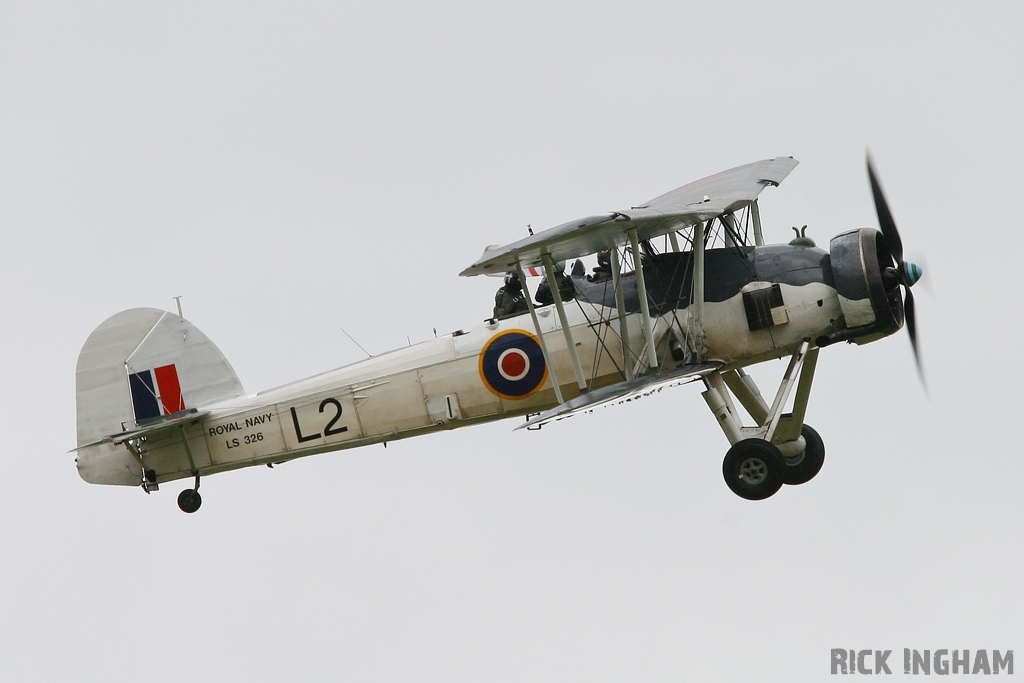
(157, 401)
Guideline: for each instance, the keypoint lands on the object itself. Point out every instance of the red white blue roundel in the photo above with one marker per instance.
(512, 365)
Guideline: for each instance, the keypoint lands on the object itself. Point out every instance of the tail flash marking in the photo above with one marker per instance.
(170, 389)
(143, 395)
(148, 396)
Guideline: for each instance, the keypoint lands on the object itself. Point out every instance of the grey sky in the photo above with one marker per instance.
(294, 170)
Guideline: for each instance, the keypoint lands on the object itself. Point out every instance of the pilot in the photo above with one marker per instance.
(566, 288)
(509, 299)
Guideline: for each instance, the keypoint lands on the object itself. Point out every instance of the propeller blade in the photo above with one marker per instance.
(885, 220)
(907, 273)
(911, 320)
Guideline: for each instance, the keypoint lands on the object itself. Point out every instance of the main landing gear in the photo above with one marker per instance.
(781, 449)
(756, 469)
(189, 500)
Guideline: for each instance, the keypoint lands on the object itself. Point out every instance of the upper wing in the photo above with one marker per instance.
(728, 190)
(688, 205)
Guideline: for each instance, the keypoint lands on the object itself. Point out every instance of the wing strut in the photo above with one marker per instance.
(674, 240)
(645, 307)
(570, 343)
(755, 214)
(540, 333)
(697, 317)
(620, 304)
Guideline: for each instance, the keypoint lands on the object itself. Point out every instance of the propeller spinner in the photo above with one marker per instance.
(905, 273)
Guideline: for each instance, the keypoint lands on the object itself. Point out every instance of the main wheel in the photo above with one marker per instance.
(189, 500)
(753, 469)
(802, 468)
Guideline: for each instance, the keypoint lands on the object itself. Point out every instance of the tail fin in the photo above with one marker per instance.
(137, 366)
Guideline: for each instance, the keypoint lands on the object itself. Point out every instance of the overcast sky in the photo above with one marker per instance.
(292, 169)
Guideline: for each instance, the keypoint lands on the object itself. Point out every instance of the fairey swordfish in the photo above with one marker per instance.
(157, 401)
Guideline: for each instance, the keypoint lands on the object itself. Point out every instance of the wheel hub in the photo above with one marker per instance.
(792, 461)
(753, 471)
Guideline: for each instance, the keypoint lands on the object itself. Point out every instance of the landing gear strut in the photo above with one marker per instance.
(781, 449)
(189, 500)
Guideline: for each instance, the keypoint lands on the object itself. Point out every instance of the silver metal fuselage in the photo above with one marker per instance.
(440, 384)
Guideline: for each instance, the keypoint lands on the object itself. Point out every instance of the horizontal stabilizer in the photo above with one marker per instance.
(623, 391)
(158, 426)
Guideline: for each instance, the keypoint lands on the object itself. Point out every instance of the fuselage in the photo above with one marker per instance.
(759, 304)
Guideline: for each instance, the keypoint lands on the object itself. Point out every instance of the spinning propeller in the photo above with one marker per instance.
(904, 273)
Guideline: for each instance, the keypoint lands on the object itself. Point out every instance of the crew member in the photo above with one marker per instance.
(603, 270)
(509, 300)
(566, 288)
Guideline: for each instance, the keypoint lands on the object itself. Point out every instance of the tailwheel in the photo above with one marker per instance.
(801, 468)
(753, 469)
(189, 500)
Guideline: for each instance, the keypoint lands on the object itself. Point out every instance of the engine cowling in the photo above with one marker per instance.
(866, 281)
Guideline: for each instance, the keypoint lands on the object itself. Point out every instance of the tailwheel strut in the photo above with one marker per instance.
(189, 500)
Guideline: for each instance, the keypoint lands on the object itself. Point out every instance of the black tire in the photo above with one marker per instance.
(753, 469)
(189, 500)
(802, 468)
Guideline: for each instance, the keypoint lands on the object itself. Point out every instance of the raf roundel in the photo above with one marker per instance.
(512, 365)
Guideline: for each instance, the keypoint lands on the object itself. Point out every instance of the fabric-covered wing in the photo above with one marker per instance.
(685, 206)
(623, 391)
